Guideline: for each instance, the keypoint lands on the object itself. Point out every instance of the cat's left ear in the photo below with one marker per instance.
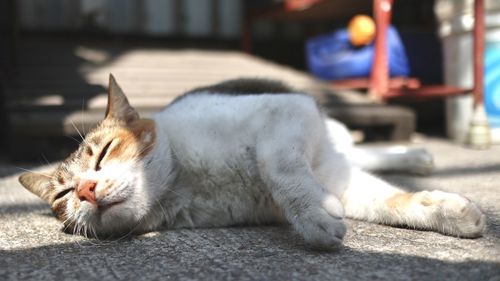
(118, 106)
(38, 184)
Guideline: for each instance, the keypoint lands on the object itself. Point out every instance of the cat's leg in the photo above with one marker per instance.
(392, 159)
(372, 199)
(312, 211)
(381, 159)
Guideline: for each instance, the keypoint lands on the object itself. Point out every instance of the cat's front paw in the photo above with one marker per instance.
(457, 215)
(320, 230)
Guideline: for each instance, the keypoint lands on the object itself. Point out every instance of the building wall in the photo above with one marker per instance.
(191, 18)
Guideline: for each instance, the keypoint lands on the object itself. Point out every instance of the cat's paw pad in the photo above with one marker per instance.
(321, 230)
(458, 215)
(422, 162)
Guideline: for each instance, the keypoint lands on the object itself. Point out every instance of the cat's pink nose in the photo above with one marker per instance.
(86, 191)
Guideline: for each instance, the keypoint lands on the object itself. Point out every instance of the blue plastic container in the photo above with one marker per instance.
(332, 56)
(492, 83)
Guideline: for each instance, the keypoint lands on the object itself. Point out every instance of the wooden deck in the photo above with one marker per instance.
(59, 87)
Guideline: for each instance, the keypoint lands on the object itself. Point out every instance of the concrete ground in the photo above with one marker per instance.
(33, 247)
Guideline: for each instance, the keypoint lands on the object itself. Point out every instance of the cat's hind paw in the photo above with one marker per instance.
(458, 216)
(422, 162)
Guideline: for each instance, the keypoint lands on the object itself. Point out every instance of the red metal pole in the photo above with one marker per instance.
(478, 52)
(479, 135)
(379, 78)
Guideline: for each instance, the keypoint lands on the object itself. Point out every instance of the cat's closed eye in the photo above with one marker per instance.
(63, 193)
(103, 153)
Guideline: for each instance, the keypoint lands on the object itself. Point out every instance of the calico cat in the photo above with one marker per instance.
(240, 152)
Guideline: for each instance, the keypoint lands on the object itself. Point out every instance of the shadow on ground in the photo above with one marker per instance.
(462, 171)
(16, 209)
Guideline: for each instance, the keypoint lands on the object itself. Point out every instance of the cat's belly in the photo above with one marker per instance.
(233, 197)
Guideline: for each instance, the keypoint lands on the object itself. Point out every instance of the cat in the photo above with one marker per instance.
(239, 152)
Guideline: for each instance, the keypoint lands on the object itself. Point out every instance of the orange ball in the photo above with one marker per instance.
(361, 30)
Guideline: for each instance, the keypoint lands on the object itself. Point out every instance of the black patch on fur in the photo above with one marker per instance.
(241, 87)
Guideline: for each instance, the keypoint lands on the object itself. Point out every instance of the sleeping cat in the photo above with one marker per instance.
(240, 152)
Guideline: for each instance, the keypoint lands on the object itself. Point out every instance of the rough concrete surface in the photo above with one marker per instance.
(32, 245)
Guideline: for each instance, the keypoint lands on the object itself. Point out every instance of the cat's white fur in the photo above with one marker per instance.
(276, 148)
(222, 160)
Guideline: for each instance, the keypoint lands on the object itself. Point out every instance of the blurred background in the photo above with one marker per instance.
(56, 56)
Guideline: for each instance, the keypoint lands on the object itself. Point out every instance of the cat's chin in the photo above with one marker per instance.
(118, 218)
(101, 209)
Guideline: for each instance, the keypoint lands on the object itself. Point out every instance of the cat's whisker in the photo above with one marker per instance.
(83, 115)
(35, 172)
(111, 241)
(76, 232)
(169, 189)
(68, 218)
(163, 210)
(146, 148)
(177, 193)
(155, 161)
(89, 233)
(77, 228)
(92, 236)
(139, 222)
(45, 159)
(86, 231)
(65, 226)
(83, 232)
(77, 141)
(95, 240)
(78, 131)
(94, 233)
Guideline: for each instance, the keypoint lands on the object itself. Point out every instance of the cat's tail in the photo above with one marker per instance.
(396, 158)
(372, 199)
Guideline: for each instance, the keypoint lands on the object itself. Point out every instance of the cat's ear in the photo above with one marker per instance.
(38, 184)
(118, 107)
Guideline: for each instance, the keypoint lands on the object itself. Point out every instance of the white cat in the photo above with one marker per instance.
(240, 152)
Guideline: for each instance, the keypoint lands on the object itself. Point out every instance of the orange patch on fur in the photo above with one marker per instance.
(399, 200)
(134, 141)
(61, 180)
(89, 151)
(425, 202)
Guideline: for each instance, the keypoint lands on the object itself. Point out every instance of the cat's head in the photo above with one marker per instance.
(100, 189)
